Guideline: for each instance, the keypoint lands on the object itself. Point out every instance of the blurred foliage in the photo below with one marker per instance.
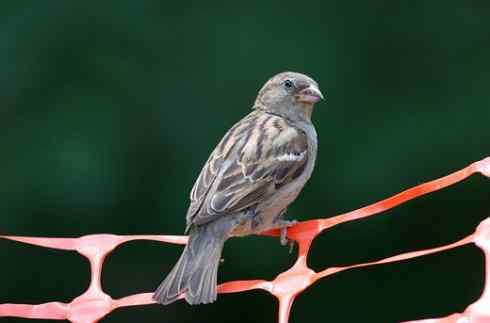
(109, 109)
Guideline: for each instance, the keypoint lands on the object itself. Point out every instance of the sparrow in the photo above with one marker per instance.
(254, 173)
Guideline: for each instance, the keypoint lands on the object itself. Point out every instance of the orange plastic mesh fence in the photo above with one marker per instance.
(94, 303)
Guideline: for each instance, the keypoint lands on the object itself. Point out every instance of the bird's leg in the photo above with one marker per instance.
(283, 238)
(283, 226)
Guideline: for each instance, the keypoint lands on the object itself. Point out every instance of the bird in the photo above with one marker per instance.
(257, 169)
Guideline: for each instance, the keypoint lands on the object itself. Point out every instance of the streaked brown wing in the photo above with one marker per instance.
(255, 158)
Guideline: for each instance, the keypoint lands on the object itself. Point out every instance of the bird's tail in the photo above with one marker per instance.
(196, 271)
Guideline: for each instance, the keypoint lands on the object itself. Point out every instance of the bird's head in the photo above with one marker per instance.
(289, 94)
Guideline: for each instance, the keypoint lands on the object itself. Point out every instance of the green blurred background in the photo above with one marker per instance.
(109, 109)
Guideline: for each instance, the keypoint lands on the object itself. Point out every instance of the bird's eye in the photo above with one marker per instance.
(288, 84)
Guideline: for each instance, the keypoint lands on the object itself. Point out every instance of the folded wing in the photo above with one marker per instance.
(255, 158)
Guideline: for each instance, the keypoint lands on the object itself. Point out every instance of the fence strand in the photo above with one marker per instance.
(94, 303)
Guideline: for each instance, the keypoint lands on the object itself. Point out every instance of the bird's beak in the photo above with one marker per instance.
(311, 94)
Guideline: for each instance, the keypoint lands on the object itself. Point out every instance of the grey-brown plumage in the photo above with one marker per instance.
(253, 174)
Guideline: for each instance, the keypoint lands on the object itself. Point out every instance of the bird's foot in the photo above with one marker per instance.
(283, 238)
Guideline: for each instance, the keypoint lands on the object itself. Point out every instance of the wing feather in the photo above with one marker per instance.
(256, 157)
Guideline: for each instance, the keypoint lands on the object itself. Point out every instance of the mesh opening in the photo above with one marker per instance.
(94, 303)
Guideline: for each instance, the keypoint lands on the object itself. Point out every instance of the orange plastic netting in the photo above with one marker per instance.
(94, 303)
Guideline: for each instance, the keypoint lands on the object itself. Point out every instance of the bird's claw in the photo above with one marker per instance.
(283, 238)
(292, 243)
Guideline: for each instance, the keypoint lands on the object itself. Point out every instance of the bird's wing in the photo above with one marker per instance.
(255, 158)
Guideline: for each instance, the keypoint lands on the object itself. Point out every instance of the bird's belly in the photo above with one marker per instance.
(267, 214)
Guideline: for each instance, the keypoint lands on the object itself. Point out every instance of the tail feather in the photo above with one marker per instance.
(195, 273)
(202, 285)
